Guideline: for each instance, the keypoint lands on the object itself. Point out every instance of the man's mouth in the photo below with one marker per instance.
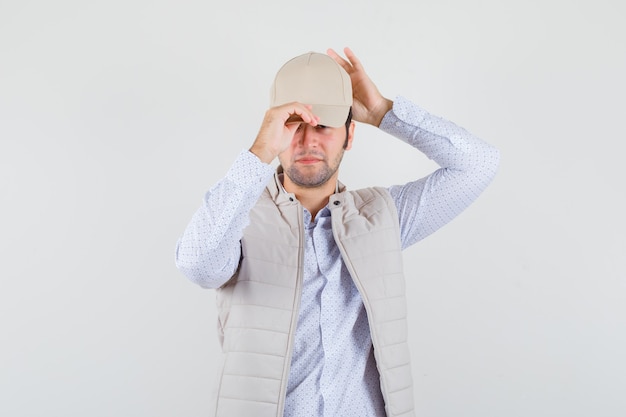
(308, 160)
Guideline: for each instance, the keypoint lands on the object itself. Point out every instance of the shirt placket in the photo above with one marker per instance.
(328, 259)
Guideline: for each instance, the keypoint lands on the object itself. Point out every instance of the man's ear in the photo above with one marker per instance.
(350, 135)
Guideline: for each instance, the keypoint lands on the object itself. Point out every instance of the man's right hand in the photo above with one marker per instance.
(277, 129)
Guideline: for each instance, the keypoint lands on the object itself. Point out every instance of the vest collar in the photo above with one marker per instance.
(281, 196)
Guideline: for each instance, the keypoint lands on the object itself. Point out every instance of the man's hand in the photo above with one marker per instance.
(369, 106)
(278, 127)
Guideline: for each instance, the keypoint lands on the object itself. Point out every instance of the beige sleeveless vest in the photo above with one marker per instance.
(258, 308)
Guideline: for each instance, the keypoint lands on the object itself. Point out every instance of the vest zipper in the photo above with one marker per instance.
(294, 315)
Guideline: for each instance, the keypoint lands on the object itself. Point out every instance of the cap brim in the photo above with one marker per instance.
(331, 115)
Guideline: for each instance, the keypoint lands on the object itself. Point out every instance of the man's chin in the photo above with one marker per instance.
(309, 181)
(309, 176)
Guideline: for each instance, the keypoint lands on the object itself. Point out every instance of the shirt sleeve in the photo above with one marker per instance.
(467, 167)
(208, 252)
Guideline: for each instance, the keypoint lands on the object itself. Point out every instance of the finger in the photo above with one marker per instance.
(334, 55)
(356, 63)
(298, 113)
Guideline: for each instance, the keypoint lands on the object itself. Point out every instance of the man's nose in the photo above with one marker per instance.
(308, 137)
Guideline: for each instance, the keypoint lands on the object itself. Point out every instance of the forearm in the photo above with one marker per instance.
(449, 145)
(208, 251)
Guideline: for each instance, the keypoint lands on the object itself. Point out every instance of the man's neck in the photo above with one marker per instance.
(312, 198)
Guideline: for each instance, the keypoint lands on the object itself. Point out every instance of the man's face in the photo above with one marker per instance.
(314, 155)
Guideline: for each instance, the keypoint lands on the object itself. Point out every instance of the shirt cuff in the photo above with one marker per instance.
(403, 118)
(249, 173)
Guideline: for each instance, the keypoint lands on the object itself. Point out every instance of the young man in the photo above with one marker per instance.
(310, 289)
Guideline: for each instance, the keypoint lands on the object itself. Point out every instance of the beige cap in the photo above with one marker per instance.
(318, 80)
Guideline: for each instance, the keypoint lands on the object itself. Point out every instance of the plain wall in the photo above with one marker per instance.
(117, 116)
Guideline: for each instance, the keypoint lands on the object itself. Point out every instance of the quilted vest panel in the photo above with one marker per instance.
(258, 307)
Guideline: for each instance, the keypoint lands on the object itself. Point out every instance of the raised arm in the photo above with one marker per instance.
(467, 163)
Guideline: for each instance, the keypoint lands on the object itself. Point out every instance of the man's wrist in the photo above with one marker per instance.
(263, 154)
(381, 111)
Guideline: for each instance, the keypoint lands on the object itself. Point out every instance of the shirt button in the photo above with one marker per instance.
(336, 202)
(398, 124)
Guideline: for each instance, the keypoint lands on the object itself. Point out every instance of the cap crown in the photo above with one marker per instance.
(316, 79)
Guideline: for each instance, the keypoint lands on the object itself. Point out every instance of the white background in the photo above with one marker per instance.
(116, 117)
